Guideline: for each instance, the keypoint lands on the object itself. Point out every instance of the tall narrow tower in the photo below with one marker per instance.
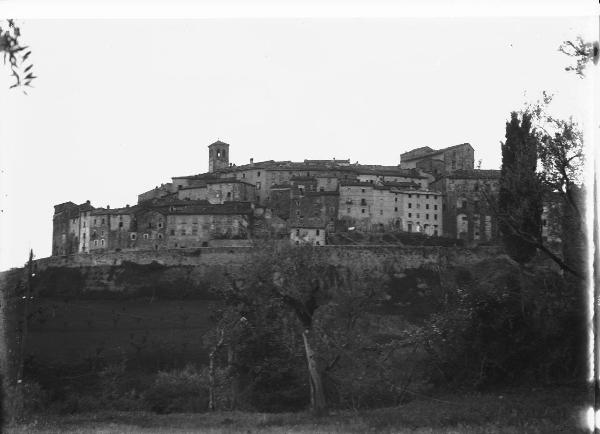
(218, 156)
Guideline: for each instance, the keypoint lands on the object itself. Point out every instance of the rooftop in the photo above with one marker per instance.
(427, 151)
(474, 174)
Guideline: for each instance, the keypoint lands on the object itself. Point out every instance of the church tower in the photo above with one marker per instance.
(218, 156)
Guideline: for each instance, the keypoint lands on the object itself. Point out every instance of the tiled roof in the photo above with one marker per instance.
(308, 223)
(427, 151)
(322, 193)
(474, 174)
(355, 183)
(228, 208)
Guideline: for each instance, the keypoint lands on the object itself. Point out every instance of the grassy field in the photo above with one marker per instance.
(522, 411)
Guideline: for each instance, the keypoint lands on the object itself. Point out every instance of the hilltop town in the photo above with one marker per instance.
(433, 192)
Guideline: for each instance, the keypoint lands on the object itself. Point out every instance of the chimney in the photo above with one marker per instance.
(251, 160)
(107, 206)
(127, 206)
(87, 202)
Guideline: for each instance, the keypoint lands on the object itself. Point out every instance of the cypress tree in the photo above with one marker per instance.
(520, 197)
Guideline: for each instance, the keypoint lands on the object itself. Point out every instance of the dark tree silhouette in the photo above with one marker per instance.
(520, 203)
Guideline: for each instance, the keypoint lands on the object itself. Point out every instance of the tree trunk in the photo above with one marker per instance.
(211, 380)
(317, 395)
(232, 377)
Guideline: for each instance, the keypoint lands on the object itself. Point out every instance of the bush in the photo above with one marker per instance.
(183, 390)
(507, 326)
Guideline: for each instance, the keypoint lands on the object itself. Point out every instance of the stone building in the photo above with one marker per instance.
(219, 191)
(218, 156)
(316, 204)
(368, 206)
(466, 204)
(310, 196)
(194, 226)
(440, 161)
(69, 222)
(311, 231)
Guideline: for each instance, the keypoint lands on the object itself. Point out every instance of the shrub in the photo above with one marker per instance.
(183, 390)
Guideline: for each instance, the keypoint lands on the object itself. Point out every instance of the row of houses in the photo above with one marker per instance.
(434, 192)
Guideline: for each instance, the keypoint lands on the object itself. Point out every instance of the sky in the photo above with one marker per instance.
(120, 106)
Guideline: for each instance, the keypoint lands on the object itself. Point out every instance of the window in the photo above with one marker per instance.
(95, 243)
(258, 174)
(172, 231)
(363, 202)
(418, 205)
(120, 224)
(84, 224)
(435, 216)
(318, 243)
(409, 196)
(362, 210)
(418, 196)
(426, 216)
(194, 231)
(160, 236)
(410, 204)
(258, 185)
(183, 232)
(318, 232)
(133, 236)
(102, 242)
(243, 175)
(145, 236)
(435, 207)
(426, 206)
(228, 195)
(297, 232)
(418, 215)
(362, 190)
(95, 222)
(409, 215)
(544, 222)
(102, 233)
(102, 221)
(380, 212)
(396, 208)
(160, 225)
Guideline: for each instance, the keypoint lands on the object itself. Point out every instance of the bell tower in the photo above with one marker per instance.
(218, 156)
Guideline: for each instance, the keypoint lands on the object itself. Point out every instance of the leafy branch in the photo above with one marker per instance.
(16, 55)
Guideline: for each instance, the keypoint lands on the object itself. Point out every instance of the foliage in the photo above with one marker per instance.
(562, 162)
(499, 329)
(296, 306)
(16, 54)
(183, 390)
(560, 146)
(520, 195)
(583, 52)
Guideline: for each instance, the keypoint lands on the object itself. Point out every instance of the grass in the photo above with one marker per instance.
(516, 411)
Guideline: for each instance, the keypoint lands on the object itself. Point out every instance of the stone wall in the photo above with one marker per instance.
(154, 308)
